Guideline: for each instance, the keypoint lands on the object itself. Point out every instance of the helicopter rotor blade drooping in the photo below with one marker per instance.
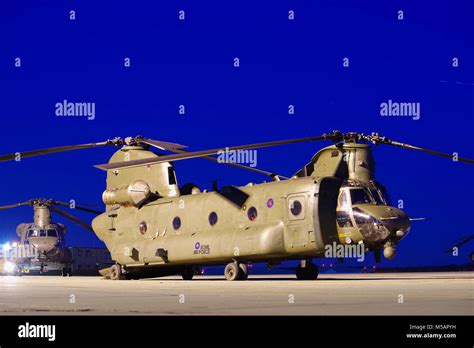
(163, 145)
(335, 136)
(51, 150)
(51, 204)
(130, 141)
(9, 206)
(204, 153)
(82, 207)
(376, 139)
(71, 217)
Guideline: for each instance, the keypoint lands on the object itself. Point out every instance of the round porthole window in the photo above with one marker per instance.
(213, 218)
(176, 223)
(252, 213)
(296, 207)
(142, 227)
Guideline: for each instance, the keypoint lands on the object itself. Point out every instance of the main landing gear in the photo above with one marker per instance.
(236, 271)
(115, 272)
(188, 273)
(307, 270)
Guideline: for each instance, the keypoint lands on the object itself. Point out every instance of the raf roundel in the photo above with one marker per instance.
(270, 203)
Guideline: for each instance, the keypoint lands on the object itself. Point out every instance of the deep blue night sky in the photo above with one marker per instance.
(283, 62)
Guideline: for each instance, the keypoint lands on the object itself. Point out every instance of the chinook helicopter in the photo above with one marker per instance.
(154, 228)
(42, 242)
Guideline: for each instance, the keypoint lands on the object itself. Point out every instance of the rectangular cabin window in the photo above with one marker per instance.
(171, 176)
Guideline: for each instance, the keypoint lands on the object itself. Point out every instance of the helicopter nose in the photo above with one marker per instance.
(378, 224)
(397, 222)
(42, 245)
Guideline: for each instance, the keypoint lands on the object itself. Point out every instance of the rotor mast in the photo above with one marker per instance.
(42, 215)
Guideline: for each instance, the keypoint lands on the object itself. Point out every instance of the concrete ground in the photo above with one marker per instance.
(335, 294)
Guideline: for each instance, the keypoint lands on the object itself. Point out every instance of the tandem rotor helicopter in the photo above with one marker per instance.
(42, 242)
(152, 227)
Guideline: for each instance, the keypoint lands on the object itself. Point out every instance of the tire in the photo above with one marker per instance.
(232, 271)
(188, 273)
(243, 271)
(313, 272)
(115, 272)
(299, 273)
(307, 273)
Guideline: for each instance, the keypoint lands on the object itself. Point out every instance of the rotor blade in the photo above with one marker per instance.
(162, 145)
(463, 241)
(376, 139)
(72, 218)
(237, 165)
(4, 207)
(433, 152)
(79, 207)
(204, 153)
(14, 156)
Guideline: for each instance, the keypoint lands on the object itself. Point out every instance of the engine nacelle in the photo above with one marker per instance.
(133, 194)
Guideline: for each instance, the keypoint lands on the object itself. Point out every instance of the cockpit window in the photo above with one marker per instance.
(360, 196)
(52, 233)
(42, 233)
(32, 233)
(343, 203)
(377, 196)
(385, 194)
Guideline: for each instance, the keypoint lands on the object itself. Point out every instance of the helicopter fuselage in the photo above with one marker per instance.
(291, 219)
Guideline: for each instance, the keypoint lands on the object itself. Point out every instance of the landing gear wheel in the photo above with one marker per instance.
(243, 271)
(66, 272)
(188, 273)
(310, 272)
(232, 271)
(115, 272)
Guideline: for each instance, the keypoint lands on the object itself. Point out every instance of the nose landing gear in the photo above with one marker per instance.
(307, 270)
(188, 273)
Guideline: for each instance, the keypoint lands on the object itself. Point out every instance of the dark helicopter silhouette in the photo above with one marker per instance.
(43, 240)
